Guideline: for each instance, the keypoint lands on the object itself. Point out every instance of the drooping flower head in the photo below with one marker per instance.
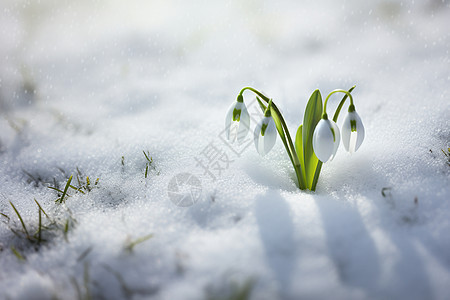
(352, 130)
(265, 134)
(237, 122)
(326, 139)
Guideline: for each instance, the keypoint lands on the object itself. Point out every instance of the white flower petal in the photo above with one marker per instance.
(237, 130)
(352, 140)
(265, 143)
(325, 143)
(337, 139)
(229, 131)
(244, 124)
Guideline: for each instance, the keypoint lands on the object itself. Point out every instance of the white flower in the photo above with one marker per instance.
(237, 123)
(326, 140)
(265, 135)
(352, 132)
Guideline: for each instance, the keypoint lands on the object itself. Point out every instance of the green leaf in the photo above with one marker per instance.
(61, 200)
(53, 188)
(261, 104)
(17, 254)
(40, 227)
(278, 125)
(316, 176)
(290, 148)
(20, 218)
(312, 116)
(299, 147)
(132, 244)
(277, 119)
(146, 156)
(41, 209)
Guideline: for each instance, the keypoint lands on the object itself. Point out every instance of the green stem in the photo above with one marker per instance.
(289, 145)
(338, 109)
(316, 176)
(337, 91)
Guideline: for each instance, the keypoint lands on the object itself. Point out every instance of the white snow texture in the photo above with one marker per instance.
(87, 86)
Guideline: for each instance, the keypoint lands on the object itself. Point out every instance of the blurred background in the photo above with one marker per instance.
(54, 50)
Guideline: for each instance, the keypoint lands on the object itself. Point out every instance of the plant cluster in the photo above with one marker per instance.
(40, 233)
(316, 141)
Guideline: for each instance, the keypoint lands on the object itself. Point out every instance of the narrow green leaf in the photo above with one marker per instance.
(40, 227)
(76, 189)
(20, 218)
(66, 226)
(53, 188)
(78, 179)
(86, 280)
(278, 125)
(290, 148)
(261, 104)
(316, 176)
(6, 216)
(17, 254)
(40, 207)
(132, 244)
(146, 156)
(280, 130)
(65, 189)
(299, 147)
(312, 116)
(84, 253)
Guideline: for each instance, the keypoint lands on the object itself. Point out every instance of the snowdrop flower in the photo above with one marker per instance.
(352, 130)
(326, 139)
(237, 122)
(265, 134)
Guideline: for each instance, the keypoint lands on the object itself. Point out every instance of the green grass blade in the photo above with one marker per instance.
(20, 218)
(76, 189)
(61, 200)
(40, 227)
(66, 227)
(17, 254)
(84, 254)
(86, 280)
(146, 156)
(131, 245)
(243, 292)
(40, 208)
(56, 189)
(6, 216)
(312, 116)
(78, 179)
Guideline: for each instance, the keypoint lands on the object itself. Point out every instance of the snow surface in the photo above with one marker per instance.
(91, 84)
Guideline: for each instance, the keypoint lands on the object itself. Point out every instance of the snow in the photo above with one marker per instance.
(93, 84)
